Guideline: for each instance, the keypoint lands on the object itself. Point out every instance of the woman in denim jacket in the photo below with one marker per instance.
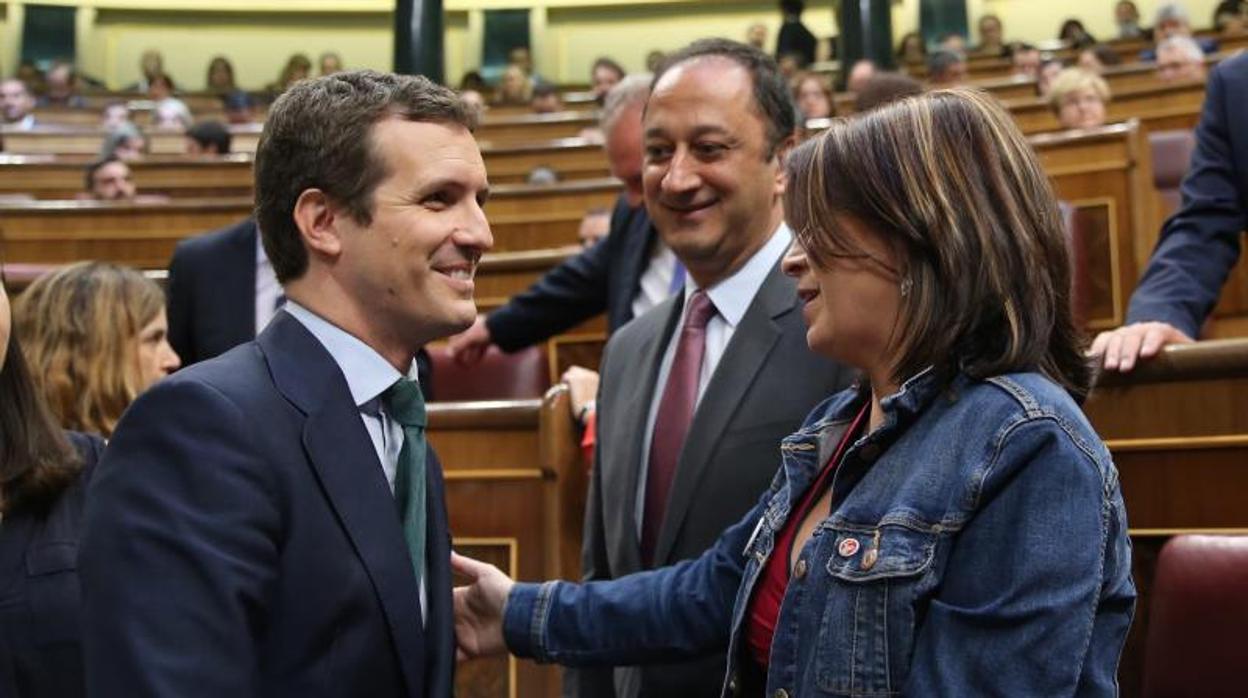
(952, 527)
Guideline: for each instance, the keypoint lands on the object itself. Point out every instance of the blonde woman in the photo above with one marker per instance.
(1078, 98)
(95, 337)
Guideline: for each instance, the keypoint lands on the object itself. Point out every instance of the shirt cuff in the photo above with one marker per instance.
(524, 619)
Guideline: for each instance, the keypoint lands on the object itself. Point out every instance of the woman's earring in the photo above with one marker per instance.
(906, 284)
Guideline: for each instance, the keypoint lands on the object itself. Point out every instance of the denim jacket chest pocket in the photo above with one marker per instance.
(873, 581)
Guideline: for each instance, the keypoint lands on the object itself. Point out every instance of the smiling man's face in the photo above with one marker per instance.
(711, 186)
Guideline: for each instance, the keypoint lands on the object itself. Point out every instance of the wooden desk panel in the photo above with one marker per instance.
(571, 158)
(1158, 107)
(51, 177)
(529, 128)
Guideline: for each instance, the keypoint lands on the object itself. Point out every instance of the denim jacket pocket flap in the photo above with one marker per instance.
(51, 558)
(880, 553)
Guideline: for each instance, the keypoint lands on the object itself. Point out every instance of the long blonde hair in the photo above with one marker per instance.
(79, 326)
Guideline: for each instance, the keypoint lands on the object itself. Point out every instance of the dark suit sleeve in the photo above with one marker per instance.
(1200, 244)
(567, 295)
(180, 550)
(180, 307)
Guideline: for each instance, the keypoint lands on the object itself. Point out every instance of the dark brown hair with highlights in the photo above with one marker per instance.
(950, 182)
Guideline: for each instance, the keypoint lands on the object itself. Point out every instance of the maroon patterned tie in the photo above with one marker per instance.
(672, 422)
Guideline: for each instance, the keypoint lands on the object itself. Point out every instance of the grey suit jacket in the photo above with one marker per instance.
(765, 384)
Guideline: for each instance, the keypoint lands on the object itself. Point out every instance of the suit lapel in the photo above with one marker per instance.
(345, 463)
(729, 386)
(439, 626)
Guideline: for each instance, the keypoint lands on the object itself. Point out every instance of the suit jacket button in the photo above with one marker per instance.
(799, 570)
(732, 684)
(780, 693)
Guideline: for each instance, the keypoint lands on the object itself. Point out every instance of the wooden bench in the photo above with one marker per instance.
(570, 158)
(56, 177)
(1159, 106)
(515, 493)
(72, 140)
(529, 128)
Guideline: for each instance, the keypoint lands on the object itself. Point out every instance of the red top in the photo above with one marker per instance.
(773, 581)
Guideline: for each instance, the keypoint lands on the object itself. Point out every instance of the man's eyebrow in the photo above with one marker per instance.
(657, 132)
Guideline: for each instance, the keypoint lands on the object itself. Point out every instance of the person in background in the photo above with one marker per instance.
(1078, 98)
(946, 68)
(124, 142)
(1179, 58)
(522, 58)
(330, 62)
(794, 38)
(515, 87)
(220, 77)
(1049, 68)
(109, 179)
(298, 67)
(603, 75)
(60, 87)
(160, 88)
(151, 67)
(17, 105)
(886, 88)
(114, 116)
(171, 114)
(44, 472)
(1201, 242)
(594, 226)
(1074, 35)
(906, 546)
(472, 80)
(545, 99)
(208, 138)
(1172, 21)
(910, 49)
(860, 74)
(756, 36)
(1127, 19)
(1026, 61)
(991, 37)
(814, 97)
(654, 59)
(239, 107)
(952, 41)
(95, 335)
(1097, 58)
(1231, 16)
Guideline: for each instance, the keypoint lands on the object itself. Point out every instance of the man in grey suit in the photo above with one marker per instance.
(697, 393)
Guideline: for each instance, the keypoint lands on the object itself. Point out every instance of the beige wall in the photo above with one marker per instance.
(259, 35)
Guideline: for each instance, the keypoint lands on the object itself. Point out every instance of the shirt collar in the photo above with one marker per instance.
(367, 373)
(733, 295)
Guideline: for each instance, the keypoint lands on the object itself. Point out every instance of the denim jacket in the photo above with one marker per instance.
(977, 545)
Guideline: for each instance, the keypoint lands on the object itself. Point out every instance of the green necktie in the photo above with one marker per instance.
(406, 405)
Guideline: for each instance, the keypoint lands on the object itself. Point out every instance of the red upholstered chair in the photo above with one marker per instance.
(498, 376)
(1172, 155)
(1198, 626)
(1080, 279)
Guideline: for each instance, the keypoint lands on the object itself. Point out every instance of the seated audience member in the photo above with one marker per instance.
(17, 104)
(472, 80)
(1201, 242)
(1172, 22)
(220, 77)
(794, 38)
(790, 64)
(1078, 98)
(542, 176)
(910, 49)
(60, 88)
(952, 41)
(1096, 59)
(1231, 16)
(208, 138)
(171, 114)
(151, 66)
(1073, 34)
(29, 74)
(756, 36)
(946, 69)
(1127, 19)
(991, 37)
(125, 142)
(522, 58)
(958, 317)
(860, 74)
(114, 116)
(1026, 61)
(239, 107)
(109, 179)
(1049, 68)
(330, 63)
(654, 59)
(886, 88)
(514, 87)
(44, 473)
(298, 67)
(545, 99)
(604, 75)
(594, 226)
(160, 88)
(475, 101)
(1180, 58)
(813, 94)
(94, 334)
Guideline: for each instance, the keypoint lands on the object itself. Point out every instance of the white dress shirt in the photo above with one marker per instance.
(731, 297)
(655, 284)
(267, 288)
(368, 375)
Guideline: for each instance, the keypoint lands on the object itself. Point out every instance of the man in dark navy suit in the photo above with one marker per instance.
(1199, 244)
(624, 275)
(270, 522)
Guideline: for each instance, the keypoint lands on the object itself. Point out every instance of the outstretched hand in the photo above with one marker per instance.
(1121, 348)
(479, 608)
(469, 346)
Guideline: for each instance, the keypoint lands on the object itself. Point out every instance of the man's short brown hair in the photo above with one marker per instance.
(318, 135)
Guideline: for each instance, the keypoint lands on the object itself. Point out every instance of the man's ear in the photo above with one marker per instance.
(317, 221)
(782, 156)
